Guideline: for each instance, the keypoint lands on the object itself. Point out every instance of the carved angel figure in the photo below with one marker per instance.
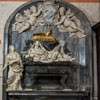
(29, 19)
(69, 23)
(33, 14)
(21, 23)
(13, 61)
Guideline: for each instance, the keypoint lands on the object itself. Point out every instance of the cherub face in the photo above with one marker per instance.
(33, 9)
(11, 48)
(62, 10)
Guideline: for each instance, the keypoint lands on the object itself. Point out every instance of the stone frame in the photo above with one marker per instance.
(7, 40)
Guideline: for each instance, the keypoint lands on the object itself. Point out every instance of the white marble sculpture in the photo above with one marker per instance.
(49, 13)
(13, 61)
(39, 54)
(68, 23)
(21, 23)
(26, 21)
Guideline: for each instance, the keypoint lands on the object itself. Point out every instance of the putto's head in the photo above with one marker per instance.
(33, 9)
(11, 48)
(62, 10)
